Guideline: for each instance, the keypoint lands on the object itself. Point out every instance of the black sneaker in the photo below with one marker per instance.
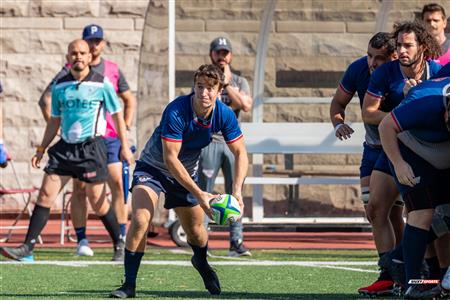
(21, 253)
(127, 290)
(209, 276)
(419, 291)
(119, 251)
(237, 250)
(434, 293)
(395, 269)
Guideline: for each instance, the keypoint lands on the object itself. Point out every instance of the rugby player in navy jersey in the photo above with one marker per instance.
(416, 138)
(380, 50)
(385, 91)
(168, 164)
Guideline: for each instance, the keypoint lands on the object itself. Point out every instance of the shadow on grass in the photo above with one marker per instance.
(143, 294)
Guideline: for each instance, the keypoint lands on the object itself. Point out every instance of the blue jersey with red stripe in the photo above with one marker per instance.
(388, 80)
(422, 111)
(356, 78)
(180, 124)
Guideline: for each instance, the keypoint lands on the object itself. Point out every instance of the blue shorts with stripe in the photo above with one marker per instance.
(369, 159)
(382, 164)
(176, 194)
(113, 146)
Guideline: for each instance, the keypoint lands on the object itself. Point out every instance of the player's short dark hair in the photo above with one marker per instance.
(424, 38)
(213, 74)
(433, 7)
(383, 40)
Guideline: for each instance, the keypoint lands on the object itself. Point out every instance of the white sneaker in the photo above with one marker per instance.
(83, 248)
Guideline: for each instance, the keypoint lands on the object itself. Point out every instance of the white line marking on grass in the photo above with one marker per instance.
(328, 264)
(348, 269)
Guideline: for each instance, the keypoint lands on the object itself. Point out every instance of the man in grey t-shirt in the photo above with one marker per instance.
(216, 156)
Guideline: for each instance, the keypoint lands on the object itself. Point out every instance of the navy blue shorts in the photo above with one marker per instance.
(382, 164)
(433, 188)
(113, 149)
(176, 194)
(369, 158)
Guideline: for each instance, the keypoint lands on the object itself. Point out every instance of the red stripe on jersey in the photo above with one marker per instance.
(236, 139)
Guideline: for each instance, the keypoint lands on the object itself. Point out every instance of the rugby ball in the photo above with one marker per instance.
(225, 209)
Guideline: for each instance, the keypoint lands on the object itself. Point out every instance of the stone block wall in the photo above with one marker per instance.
(34, 37)
(305, 35)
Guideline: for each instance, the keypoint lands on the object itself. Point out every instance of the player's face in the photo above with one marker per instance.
(96, 46)
(408, 49)
(221, 58)
(376, 57)
(79, 56)
(205, 94)
(435, 23)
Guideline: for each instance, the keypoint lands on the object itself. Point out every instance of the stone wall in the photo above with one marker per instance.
(306, 35)
(34, 38)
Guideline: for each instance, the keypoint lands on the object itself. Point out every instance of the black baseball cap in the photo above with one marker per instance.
(220, 43)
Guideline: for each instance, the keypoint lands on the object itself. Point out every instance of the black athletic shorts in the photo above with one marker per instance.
(86, 161)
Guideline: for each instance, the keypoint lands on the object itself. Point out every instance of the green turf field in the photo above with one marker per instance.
(269, 274)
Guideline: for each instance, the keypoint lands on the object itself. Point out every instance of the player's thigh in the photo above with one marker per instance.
(115, 175)
(383, 190)
(51, 186)
(191, 218)
(144, 200)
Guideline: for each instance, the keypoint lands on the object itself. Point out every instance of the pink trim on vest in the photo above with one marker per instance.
(112, 72)
(445, 58)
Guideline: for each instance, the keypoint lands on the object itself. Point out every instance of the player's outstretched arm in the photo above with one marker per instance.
(179, 172)
(241, 166)
(337, 114)
(388, 134)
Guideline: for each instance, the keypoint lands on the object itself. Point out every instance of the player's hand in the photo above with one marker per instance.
(36, 160)
(126, 155)
(227, 74)
(405, 174)
(409, 83)
(343, 131)
(203, 200)
(239, 198)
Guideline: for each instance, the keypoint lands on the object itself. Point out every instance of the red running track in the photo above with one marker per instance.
(218, 240)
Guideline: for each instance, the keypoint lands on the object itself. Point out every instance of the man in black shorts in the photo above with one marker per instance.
(80, 101)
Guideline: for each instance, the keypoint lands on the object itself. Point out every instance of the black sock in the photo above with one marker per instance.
(132, 262)
(37, 223)
(81, 233)
(397, 253)
(433, 267)
(384, 274)
(200, 253)
(443, 271)
(414, 246)
(111, 225)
